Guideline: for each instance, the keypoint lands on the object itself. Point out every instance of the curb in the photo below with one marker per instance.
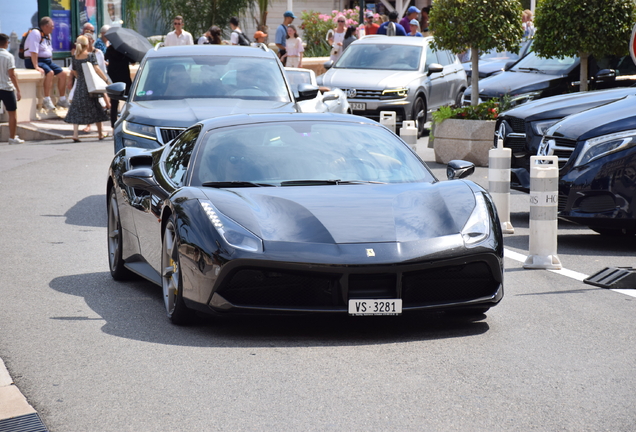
(16, 414)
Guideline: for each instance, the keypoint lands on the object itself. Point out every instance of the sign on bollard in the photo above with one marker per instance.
(408, 132)
(544, 205)
(499, 183)
(388, 119)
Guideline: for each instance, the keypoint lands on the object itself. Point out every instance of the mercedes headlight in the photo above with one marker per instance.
(477, 227)
(523, 98)
(602, 146)
(540, 127)
(143, 131)
(395, 93)
(233, 233)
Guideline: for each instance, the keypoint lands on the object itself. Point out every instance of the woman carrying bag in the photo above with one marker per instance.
(84, 108)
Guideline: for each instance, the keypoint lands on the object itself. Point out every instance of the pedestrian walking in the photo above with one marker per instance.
(391, 27)
(294, 48)
(119, 71)
(102, 43)
(237, 37)
(415, 27)
(211, 37)
(336, 37)
(370, 27)
(259, 38)
(179, 36)
(411, 14)
(9, 88)
(38, 53)
(281, 34)
(85, 109)
(350, 36)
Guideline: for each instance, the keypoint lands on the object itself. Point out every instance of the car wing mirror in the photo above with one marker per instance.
(434, 68)
(116, 91)
(330, 96)
(606, 75)
(140, 178)
(458, 169)
(328, 64)
(306, 91)
(509, 65)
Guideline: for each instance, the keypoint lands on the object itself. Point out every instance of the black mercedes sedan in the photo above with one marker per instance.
(597, 158)
(298, 213)
(522, 128)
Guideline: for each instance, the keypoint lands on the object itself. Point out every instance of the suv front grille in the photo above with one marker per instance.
(517, 125)
(365, 94)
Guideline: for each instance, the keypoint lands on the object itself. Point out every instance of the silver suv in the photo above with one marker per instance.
(401, 74)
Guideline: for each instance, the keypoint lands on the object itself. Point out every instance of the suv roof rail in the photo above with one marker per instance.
(264, 47)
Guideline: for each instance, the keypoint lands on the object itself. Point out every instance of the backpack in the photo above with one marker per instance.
(23, 41)
(242, 39)
(390, 29)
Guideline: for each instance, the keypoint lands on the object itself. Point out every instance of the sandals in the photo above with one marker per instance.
(75, 139)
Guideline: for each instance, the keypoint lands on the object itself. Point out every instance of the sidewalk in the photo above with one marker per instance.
(16, 415)
(52, 129)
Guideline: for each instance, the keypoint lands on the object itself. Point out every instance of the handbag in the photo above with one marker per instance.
(95, 84)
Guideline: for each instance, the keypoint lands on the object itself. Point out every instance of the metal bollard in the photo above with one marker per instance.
(499, 183)
(388, 119)
(408, 132)
(544, 204)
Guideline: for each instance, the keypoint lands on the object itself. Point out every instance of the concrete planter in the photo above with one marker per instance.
(468, 140)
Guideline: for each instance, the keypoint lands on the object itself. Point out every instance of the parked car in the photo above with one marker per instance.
(400, 74)
(493, 62)
(597, 158)
(327, 100)
(522, 128)
(176, 87)
(324, 213)
(535, 77)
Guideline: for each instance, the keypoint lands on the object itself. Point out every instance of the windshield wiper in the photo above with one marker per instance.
(325, 182)
(234, 184)
(531, 69)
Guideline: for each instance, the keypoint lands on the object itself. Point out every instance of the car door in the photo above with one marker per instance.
(436, 85)
(169, 174)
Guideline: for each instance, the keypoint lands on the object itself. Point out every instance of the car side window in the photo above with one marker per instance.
(431, 57)
(443, 58)
(177, 161)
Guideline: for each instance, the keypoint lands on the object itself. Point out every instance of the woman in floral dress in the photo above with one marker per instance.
(84, 108)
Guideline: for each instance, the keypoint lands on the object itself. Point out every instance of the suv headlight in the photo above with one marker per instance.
(602, 146)
(233, 233)
(143, 131)
(395, 93)
(477, 227)
(523, 98)
(540, 127)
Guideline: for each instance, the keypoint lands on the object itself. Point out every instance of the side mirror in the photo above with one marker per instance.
(139, 178)
(306, 91)
(329, 96)
(116, 91)
(509, 65)
(458, 169)
(328, 64)
(434, 68)
(608, 75)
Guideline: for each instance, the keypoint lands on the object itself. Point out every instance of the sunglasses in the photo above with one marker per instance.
(340, 21)
(177, 23)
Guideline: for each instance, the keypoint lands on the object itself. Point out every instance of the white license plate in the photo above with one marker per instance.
(375, 307)
(357, 106)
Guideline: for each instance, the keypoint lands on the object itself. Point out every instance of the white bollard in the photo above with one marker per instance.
(408, 132)
(544, 204)
(499, 183)
(388, 119)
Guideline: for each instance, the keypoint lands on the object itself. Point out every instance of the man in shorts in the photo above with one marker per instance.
(38, 55)
(9, 88)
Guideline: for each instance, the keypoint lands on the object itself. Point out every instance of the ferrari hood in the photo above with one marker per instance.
(185, 112)
(367, 79)
(342, 214)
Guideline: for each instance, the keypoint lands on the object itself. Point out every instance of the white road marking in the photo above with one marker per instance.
(516, 256)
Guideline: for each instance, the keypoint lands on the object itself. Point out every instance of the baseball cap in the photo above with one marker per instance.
(369, 14)
(413, 9)
(289, 14)
(259, 34)
(414, 22)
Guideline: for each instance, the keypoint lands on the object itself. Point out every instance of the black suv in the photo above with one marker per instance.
(176, 87)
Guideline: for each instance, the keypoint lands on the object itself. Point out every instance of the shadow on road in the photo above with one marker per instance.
(135, 310)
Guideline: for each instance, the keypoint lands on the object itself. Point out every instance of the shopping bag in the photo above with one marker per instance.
(96, 86)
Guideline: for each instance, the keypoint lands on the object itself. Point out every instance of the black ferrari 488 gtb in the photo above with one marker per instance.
(298, 213)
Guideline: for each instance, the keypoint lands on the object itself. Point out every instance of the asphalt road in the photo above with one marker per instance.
(91, 354)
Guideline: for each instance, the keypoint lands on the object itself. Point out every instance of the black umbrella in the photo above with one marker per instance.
(128, 42)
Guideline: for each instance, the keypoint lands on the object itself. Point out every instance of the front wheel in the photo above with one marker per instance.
(419, 114)
(171, 280)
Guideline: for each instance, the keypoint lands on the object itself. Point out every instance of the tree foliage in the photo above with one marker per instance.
(478, 25)
(583, 28)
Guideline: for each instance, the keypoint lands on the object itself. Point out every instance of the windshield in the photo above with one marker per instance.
(494, 55)
(211, 77)
(273, 153)
(552, 66)
(381, 56)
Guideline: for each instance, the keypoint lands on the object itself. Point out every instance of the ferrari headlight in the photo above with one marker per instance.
(602, 146)
(523, 98)
(477, 227)
(233, 233)
(540, 127)
(143, 131)
(395, 92)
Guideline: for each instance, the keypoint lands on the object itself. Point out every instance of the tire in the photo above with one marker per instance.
(613, 232)
(459, 99)
(171, 280)
(115, 237)
(419, 114)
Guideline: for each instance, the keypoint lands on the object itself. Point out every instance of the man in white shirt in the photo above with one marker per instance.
(179, 36)
(234, 25)
(38, 54)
